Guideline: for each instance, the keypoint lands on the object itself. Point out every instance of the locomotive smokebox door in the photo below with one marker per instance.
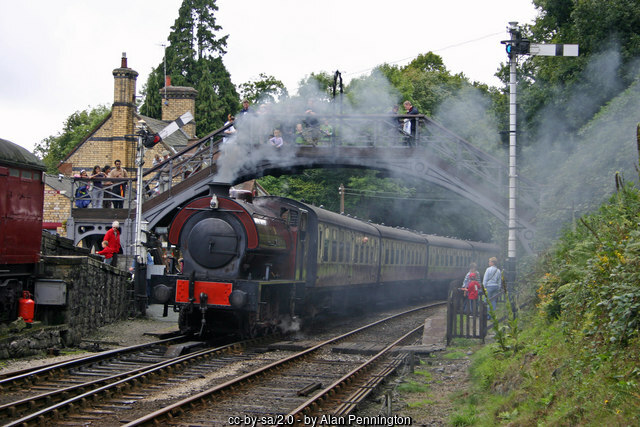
(213, 243)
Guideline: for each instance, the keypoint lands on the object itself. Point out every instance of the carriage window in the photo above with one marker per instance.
(14, 172)
(334, 251)
(341, 256)
(27, 175)
(325, 250)
(347, 249)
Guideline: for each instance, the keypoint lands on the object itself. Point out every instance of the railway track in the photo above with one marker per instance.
(127, 397)
(302, 387)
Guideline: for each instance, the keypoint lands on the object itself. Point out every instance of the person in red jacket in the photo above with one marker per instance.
(112, 237)
(106, 252)
(472, 290)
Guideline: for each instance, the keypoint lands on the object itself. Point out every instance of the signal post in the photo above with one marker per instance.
(515, 46)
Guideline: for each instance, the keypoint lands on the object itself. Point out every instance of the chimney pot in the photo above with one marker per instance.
(167, 81)
(123, 61)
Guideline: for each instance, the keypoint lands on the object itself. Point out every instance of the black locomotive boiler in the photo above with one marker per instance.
(252, 265)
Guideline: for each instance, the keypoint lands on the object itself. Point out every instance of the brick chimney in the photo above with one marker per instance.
(122, 113)
(177, 100)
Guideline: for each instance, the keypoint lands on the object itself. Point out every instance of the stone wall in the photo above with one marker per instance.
(56, 245)
(97, 294)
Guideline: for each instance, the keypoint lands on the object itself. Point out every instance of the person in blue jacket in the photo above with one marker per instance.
(83, 198)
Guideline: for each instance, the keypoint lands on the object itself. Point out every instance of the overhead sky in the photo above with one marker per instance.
(56, 57)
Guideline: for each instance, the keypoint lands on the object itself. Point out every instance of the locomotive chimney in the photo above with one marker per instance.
(219, 189)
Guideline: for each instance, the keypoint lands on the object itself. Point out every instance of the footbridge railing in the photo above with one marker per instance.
(452, 161)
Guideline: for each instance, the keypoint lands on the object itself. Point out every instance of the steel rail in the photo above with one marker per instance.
(169, 412)
(58, 409)
(28, 375)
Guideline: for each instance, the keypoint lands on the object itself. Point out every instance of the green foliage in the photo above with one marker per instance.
(607, 33)
(194, 58)
(425, 82)
(372, 196)
(264, 89)
(316, 86)
(464, 417)
(53, 149)
(151, 106)
(592, 284)
(217, 97)
(578, 355)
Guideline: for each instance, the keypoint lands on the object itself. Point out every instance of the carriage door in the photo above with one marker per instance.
(302, 249)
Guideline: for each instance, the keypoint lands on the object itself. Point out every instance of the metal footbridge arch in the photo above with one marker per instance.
(433, 154)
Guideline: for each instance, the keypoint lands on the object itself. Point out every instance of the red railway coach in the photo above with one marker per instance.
(21, 208)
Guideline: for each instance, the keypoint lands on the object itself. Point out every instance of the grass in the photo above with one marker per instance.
(551, 381)
(421, 403)
(413, 386)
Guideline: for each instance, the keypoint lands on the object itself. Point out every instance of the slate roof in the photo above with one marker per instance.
(176, 141)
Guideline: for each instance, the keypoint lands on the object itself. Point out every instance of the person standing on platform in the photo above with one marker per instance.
(97, 193)
(492, 281)
(277, 140)
(106, 252)
(469, 291)
(121, 187)
(106, 170)
(83, 198)
(112, 237)
(410, 125)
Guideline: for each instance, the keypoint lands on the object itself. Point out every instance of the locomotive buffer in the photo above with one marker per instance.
(146, 139)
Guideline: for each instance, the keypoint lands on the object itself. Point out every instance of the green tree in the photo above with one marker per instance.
(194, 58)
(75, 129)
(151, 93)
(609, 37)
(264, 89)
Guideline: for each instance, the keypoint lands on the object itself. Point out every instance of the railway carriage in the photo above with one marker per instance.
(252, 265)
(21, 206)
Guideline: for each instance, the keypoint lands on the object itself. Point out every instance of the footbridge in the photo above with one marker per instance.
(431, 153)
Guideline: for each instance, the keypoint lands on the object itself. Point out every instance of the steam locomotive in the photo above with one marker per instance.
(21, 209)
(257, 264)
